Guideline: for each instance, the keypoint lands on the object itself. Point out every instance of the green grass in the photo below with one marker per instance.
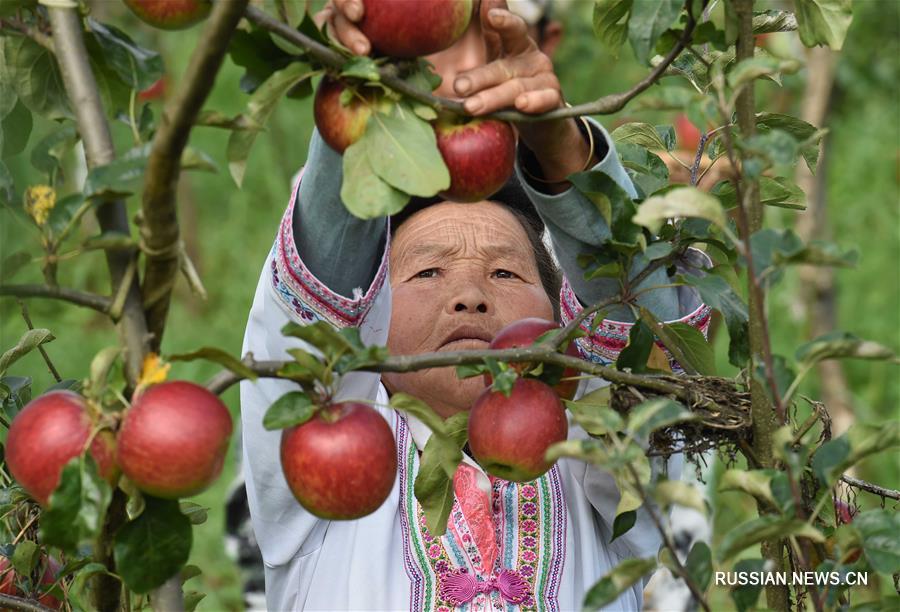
(228, 233)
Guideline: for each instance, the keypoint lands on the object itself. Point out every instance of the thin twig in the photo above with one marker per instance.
(10, 602)
(99, 303)
(30, 32)
(389, 75)
(41, 349)
(871, 488)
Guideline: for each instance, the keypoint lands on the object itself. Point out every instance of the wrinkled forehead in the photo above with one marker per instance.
(485, 229)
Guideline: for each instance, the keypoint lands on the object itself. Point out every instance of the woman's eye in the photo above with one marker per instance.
(429, 273)
(503, 274)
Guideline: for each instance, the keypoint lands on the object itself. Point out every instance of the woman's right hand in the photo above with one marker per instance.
(340, 18)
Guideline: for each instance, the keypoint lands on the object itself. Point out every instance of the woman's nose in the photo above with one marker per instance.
(469, 298)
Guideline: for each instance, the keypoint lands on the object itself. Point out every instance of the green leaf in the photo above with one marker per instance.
(641, 134)
(757, 483)
(363, 192)
(195, 512)
(686, 344)
(766, 22)
(773, 249)
(29, 341)
(647, 170)
(361, 67)
(217, 355)
(437, 465)
(623, 524)
(804, 133)
(593, 414)
(259, 108)
(647, 23)
(842, 345)
(77, 506)
(15, 129)
(321, 335)
(153, 547)
(254, 51)
(137, 67)
(679, 202)
(34, 74)
(48, 153)
(101, 364)
(658, 250)
(292, 408)
(654, 414)
(111, 241)
(238, 123)
(25, 557)
(823, 22)
(625, 574)
(191, 599)
(753, 68)
(613, 203)
(860, 441)
(745, 596)
(717, 293)
(65, 211)
(640, 344)
(778, 191)
(117, 178)
(766, 527)
(880, 544)
(699, 565)
(669, 492)
(402, 150)
(610, 21)
(79, 594)
(410, 405)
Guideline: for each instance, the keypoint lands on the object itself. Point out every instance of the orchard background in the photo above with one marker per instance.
(228, 230)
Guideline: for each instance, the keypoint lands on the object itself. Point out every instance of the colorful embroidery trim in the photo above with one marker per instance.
(530, 526)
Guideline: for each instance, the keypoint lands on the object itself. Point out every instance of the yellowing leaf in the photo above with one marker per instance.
(154, 370)
(39, 201)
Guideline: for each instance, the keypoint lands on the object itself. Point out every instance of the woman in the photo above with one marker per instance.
(446, 276)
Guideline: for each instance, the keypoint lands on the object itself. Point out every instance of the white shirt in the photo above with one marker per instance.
(384, 561)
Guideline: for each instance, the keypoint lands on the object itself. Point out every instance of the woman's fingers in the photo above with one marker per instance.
(351, 9)
(349, 35)
(507, 93)
(511, 30)
(499, 71)
(539, 101)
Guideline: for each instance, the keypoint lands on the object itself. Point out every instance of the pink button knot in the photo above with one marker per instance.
(459, 586)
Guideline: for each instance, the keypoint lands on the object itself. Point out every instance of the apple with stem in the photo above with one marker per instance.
(342, 463)
(509, 436)
(50, 431)
(173, 439)
(524, 333)
(341, 122)
(479, 154)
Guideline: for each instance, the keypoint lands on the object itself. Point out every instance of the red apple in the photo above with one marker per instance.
(413, 28)
(173, 439)
(509, 436)
(9, 579)
(157, 91)
(479, 154)
(170, 14)
(340, 125)
(687, 135)
(843, 511)
(342, 463)
(525, 332)
(46, 434)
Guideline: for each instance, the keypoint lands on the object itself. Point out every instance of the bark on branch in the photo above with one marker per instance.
(159, 229)
(870, 487)
(100, 303)
(390, 75)
(81, 87)
(10, 602)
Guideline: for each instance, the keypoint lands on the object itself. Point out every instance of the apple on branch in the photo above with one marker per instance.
(479, 153)
(50, 431)
(341, 124)
(170, 14)
(524, 333)
(413, 29)
(173, 439)
(509, 436)
(9, 577)
(342, 463)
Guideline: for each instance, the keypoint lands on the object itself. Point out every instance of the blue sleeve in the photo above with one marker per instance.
(576, 226)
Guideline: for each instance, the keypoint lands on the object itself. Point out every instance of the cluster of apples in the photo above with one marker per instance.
(342, 463)
(479, 153)
(171, 443)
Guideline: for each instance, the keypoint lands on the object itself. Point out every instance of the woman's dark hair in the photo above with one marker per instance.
(514, 198)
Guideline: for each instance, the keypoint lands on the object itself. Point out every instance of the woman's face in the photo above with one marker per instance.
(459, 274)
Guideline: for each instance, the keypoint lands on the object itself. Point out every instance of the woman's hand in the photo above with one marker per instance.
(521, 76)
(340, 18)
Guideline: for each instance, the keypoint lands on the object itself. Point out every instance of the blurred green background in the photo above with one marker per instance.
(228, 231)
